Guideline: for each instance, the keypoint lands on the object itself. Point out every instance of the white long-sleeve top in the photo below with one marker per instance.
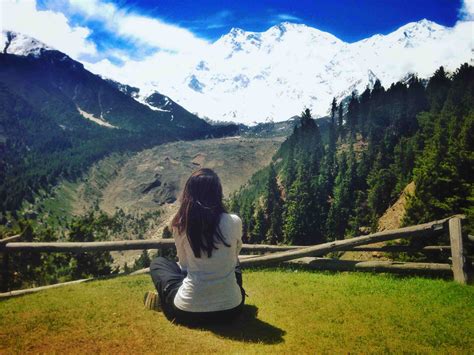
(210, 284)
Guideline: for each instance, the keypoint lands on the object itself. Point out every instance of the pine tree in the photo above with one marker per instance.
(340, 120)
(332, 137)
(437, 89)
(333, 112)
(376, 117)
(143, 261)
(353, 114)
(416, 102)
(166, 233)
(409, 134)
(88, 264)
(260, 227)
(273, 208)
(248, 218)
(338, 211)
(297, 224)
(364, 109)
(290, 170)
(444, 171)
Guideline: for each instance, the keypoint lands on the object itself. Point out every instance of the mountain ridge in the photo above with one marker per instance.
(251, 77)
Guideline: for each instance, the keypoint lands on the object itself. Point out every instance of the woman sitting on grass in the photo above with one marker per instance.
(206, 284)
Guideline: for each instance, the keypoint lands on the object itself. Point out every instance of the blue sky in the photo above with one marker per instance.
(122, 30)
(350, 20)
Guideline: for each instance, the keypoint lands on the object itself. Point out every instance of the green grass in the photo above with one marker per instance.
(289, 311)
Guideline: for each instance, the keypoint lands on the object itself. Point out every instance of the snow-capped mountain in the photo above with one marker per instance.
(256, 76)
(20, 44)
(51, 81)
(251, 77)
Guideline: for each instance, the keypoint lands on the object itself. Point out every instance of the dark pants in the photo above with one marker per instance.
(168, 277)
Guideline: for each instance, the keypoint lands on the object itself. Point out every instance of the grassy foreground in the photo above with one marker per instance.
(289, 311)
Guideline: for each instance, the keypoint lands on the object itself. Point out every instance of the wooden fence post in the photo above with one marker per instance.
(5, 286)
(457, 252)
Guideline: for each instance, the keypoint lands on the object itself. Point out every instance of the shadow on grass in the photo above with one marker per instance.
(336, 266)
(247, 328)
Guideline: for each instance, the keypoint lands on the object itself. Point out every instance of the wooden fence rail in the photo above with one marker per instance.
(77, 247)
(288, 253)
(426, 229)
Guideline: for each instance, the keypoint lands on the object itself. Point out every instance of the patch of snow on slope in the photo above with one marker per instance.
(142, 99)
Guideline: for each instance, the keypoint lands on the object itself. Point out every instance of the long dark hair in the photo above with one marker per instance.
(200, 212)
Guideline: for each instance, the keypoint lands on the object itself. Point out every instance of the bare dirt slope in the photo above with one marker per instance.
(393, 216)
(155, 177)
(391, 219)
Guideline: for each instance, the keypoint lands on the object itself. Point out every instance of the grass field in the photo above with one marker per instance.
(288, 311)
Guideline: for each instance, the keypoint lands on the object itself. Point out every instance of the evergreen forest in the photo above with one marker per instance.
(331, 184)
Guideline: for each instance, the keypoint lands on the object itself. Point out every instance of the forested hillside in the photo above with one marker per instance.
(56, 119)
(322, 187)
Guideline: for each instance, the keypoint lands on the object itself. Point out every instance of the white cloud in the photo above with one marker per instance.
(159, 71)
(179, 48)
(219, 20)
(288, 17)
(467, 10)
(50, 27)
(140, 28)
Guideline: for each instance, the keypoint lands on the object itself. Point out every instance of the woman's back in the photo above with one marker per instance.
(210, 284)
(206, 284)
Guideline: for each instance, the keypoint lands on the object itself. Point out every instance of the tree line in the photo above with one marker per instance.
(31, 269)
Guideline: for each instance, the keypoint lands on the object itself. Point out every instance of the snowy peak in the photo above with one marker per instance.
(249, 77)
(278, 31)
(423, 27)
(235, 35)
(410, 35)
(235, 32)
(415, 33)
(301, 30)
(22, 45)
(238, 40)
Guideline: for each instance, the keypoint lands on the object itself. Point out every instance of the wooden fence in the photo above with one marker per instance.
(460, 265)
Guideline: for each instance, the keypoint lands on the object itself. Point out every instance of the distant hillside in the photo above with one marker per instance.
(278, 129)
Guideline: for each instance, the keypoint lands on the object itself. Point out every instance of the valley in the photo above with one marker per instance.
(343, 139)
